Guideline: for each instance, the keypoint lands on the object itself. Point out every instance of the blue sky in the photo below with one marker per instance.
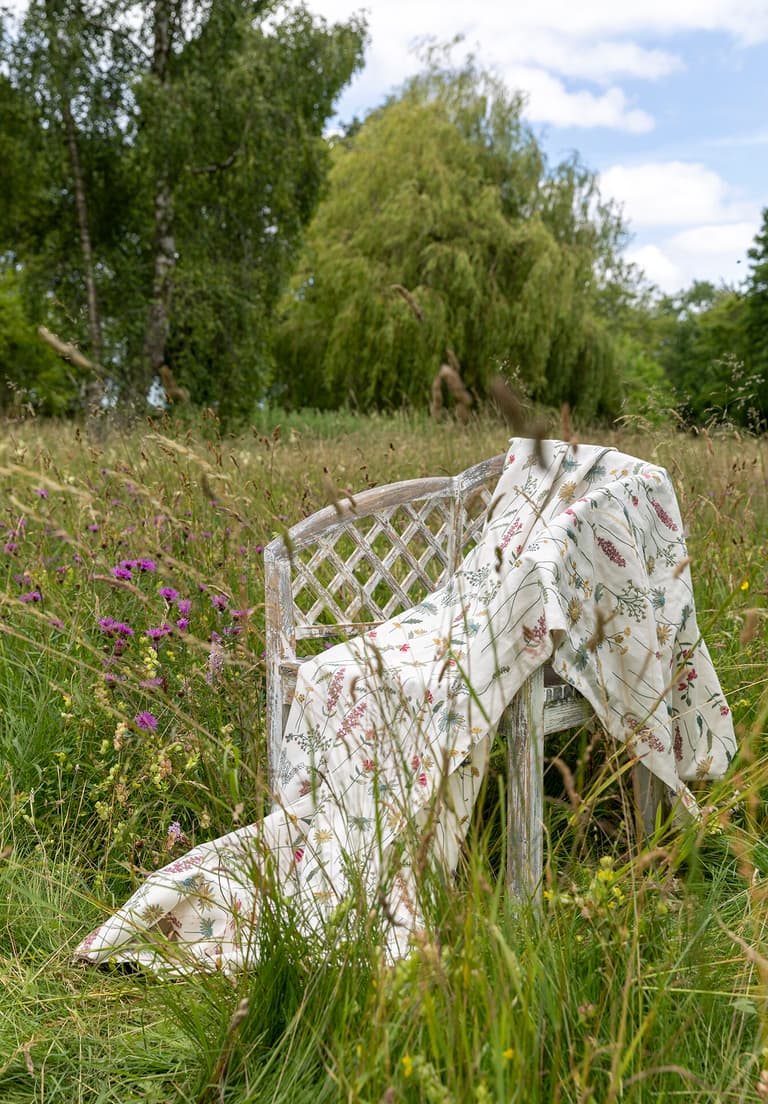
(666, 99)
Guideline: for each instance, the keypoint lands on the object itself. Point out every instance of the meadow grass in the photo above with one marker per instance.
(642, 979)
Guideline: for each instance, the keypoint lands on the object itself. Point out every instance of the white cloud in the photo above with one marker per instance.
(673, 193)
(711, 252)
(658, 267)
(731, 240)
(549, 101)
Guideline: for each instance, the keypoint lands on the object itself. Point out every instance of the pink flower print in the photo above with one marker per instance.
(514, 528)
(298, 854)
(724, 711)
(352, 720)
(415, 762)
(335, 690)
(422, 779)
(662, 515)
(368, 764)
(405, 647)
(693, 674)
(611, 551)
(537, 633)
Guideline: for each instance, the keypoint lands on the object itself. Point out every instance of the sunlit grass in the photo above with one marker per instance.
(642, 979)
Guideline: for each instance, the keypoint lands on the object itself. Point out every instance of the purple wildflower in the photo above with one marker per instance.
(151, 683)
(111, 678)
(184, 606)
(92, 528)
(41, 491)
(56, 622)
(10, 547)
(115, 628)
(122, 573)
(219, 601)
(258, 549)
(175, 833)
(182, 624)
(168, 593)
(146, 721)
(157, 634)
(242, 614)
(31, 596)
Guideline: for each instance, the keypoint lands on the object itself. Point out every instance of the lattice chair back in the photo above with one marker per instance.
(359, 562)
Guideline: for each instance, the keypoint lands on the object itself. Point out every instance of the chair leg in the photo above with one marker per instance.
(649, 792)
(523, 728)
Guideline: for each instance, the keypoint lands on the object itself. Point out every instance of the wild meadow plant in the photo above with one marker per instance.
(132, 727)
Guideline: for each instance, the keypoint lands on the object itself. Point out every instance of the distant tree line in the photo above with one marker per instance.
(173, 208)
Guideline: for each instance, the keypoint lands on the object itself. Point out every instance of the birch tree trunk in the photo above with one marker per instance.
(94, 390)
(158, 321)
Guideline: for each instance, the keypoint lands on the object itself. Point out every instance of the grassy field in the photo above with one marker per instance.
(644, 978)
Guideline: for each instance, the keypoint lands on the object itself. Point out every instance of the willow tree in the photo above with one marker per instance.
(442, 228)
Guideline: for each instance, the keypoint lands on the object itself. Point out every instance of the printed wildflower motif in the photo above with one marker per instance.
(574, 611)
(510, 532)
(537, 633)
(567, 492)
(662, 515)
(146, 721)
(611, 551)
(334, 690)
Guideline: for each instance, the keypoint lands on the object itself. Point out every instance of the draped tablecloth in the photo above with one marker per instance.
(582, 562)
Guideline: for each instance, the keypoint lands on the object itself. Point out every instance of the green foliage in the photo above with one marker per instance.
(30, 373)
(443, 229)
(235, 135)
(757, 310)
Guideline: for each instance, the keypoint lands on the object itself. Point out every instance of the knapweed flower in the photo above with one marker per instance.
(242, 614)
(146, 721)
(168, 593)
(41, 491)
(157, 634)
(219, 601)
(182, 624)
(115, 628)
(31, 596)
(10, 547)
(184, 606)
(258, 549)
(122, 572)
(151, 683)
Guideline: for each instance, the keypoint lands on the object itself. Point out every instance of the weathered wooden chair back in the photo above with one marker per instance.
(361, 561)
(373, 555)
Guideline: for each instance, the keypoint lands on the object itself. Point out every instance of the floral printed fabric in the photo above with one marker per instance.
(582, 562)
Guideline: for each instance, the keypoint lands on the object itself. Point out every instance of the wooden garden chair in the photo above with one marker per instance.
(365, 559)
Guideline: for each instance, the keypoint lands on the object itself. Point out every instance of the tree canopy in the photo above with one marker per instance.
(172, 153)
(444, 228)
